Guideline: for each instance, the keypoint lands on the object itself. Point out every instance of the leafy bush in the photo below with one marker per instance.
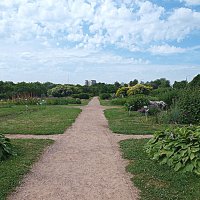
(179, 148)
(172, 116)
(30, 101)
(139, 89)
(56, 101)
(154, 111)
(136, 102)
(122, 92)
(168, 95)
(5, 148)
(104, 96)
(62, 101)
(84, 96)
(189, 105)
(118, 101)
(73, 101)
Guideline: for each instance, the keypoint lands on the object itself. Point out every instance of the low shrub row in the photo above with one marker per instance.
(47, 101)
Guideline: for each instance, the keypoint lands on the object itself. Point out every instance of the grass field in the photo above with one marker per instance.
(158, 182)
(120, 122)
(13, 169)
(37, 120)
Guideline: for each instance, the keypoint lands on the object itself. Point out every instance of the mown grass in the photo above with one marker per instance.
(120, 122)
(13, 169)
(156, 181)
(37, 120)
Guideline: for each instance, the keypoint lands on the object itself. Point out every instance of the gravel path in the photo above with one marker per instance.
(83, 164)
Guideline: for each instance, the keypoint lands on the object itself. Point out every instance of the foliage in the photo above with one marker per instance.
(180, 85)
(122, 92)
(154, 111)
(6, 148)
(83, 96)
(139, 89)
(189, 105)
(171, 116)
(168, 95)
(136, 102)
(61, 91)
(155, 181)
(134, 82)
(104, 96)
(62, 101)
(195, 82)
(159, 83)
(179, 148)
(118, 101)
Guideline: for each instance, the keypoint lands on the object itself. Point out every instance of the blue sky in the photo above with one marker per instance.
(69, 41)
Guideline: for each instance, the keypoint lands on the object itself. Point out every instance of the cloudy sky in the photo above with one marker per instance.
(68, 41)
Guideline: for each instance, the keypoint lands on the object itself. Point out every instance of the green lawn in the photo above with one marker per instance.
(156, 181)
(13, 169)
(120, 122)
(46, 120)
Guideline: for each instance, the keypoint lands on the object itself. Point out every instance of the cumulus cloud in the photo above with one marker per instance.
(192, 2)
(166, 49)
(97, 24)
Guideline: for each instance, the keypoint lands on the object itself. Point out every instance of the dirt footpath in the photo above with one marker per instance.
(83, 164)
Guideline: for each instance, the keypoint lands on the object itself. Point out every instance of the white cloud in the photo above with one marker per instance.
(191, 2)
(166, 49)
(95, 24)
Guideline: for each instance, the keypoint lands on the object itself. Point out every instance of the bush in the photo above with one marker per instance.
(172, 116)
(139, 89)
(30, 101)
(154, 110)
(136, 102)
(84, 96)
(56, 101)
(189, 105)
(179, 148)
(62, 101)
(104, 96)
(167, 95)
(122, 92)
(118, 101)
(6, 149)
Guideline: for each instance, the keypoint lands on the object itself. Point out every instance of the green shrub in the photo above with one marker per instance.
(139, 89)
(30, 101)
(179, 148)
(136, 102)
(56, 101)
(5, 147)
(118, 101)
(189, 105)
(104, 96)
(62, 101)
(168, 95)
(84, 96)
(154, 111)
(122, 92)
(171, 116)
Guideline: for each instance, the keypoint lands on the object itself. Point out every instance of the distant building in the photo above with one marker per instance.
(91, 82)
(86, 82)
